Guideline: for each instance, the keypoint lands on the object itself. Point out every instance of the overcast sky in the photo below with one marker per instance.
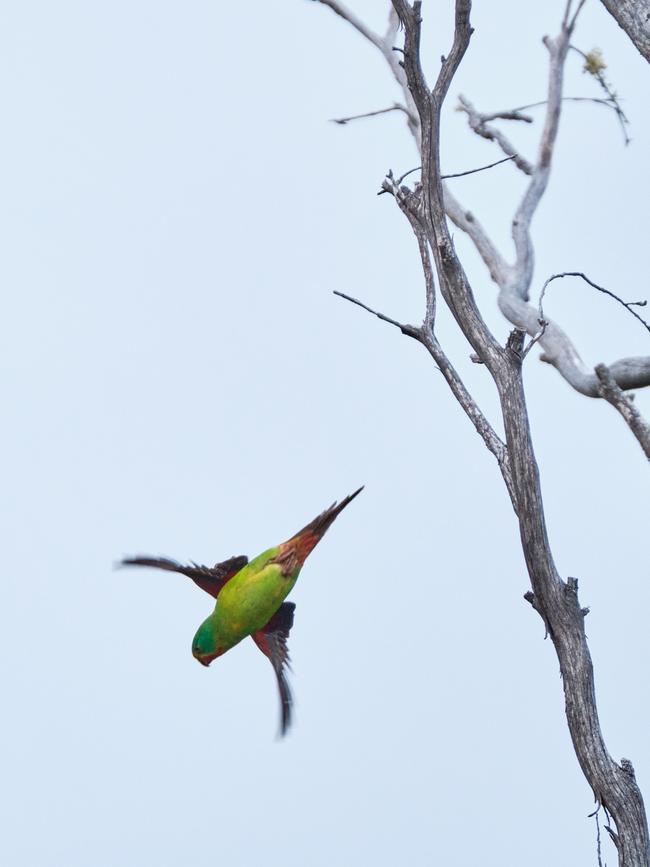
(178, 379)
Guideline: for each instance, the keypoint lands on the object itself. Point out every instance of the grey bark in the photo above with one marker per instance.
(613, 785)
(623, 403)
(513, 279)
(633, 16)
(427, 207)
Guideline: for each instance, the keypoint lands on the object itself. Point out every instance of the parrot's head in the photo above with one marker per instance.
(205, 646)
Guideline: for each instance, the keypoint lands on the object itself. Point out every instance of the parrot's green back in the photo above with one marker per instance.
(246, 603)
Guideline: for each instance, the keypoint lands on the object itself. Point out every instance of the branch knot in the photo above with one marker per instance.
(515, 344)
(628, 768)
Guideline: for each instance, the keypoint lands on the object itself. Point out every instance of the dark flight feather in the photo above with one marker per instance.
(272, 641)
(208, 578)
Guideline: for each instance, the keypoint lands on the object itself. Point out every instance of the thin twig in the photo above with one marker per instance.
(533, 340)
(598, 849)
(627, 304)
(409, 330)
(472, 411)
(608, 102)
(481, 169)
(509, 114)
(483, 427)
(456, 174)
(594, 815)
(406, 174)
(574, 20)
(596, 69)
(570, 25)
(478, 122)
(385, 46)
(343, 120)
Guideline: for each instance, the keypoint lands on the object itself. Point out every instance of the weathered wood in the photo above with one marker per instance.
(633, 16)
(613, 784)
(427, 207)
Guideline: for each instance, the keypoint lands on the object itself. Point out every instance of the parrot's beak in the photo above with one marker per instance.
(206, 658)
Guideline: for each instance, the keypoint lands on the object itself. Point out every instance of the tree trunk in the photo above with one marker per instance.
(614, 785)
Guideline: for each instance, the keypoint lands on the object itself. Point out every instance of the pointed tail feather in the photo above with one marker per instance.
(305, 540)
(322, 522)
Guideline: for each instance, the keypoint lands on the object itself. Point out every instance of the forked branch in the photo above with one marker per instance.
(426, 207)
(555, 599)
(514, 280)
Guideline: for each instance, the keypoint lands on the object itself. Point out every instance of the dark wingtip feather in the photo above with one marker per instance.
(286, 704)
(154, 562)
(131, 561)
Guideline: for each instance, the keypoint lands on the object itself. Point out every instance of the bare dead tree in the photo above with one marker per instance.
(428, 205)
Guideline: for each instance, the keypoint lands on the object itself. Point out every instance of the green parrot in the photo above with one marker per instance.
(250, 598)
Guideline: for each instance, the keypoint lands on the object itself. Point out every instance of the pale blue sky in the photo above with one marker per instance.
(179, 379)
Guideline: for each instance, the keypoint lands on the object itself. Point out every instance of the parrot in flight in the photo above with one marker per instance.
(250, 598)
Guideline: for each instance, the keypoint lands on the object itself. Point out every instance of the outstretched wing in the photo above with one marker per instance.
(208, 578)
(272, 641)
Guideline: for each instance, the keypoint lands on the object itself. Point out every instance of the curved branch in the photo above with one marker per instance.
(559, 351)
(522, 272)
(479, 123)
(623, 403)
(627, 304)
(514, 281)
